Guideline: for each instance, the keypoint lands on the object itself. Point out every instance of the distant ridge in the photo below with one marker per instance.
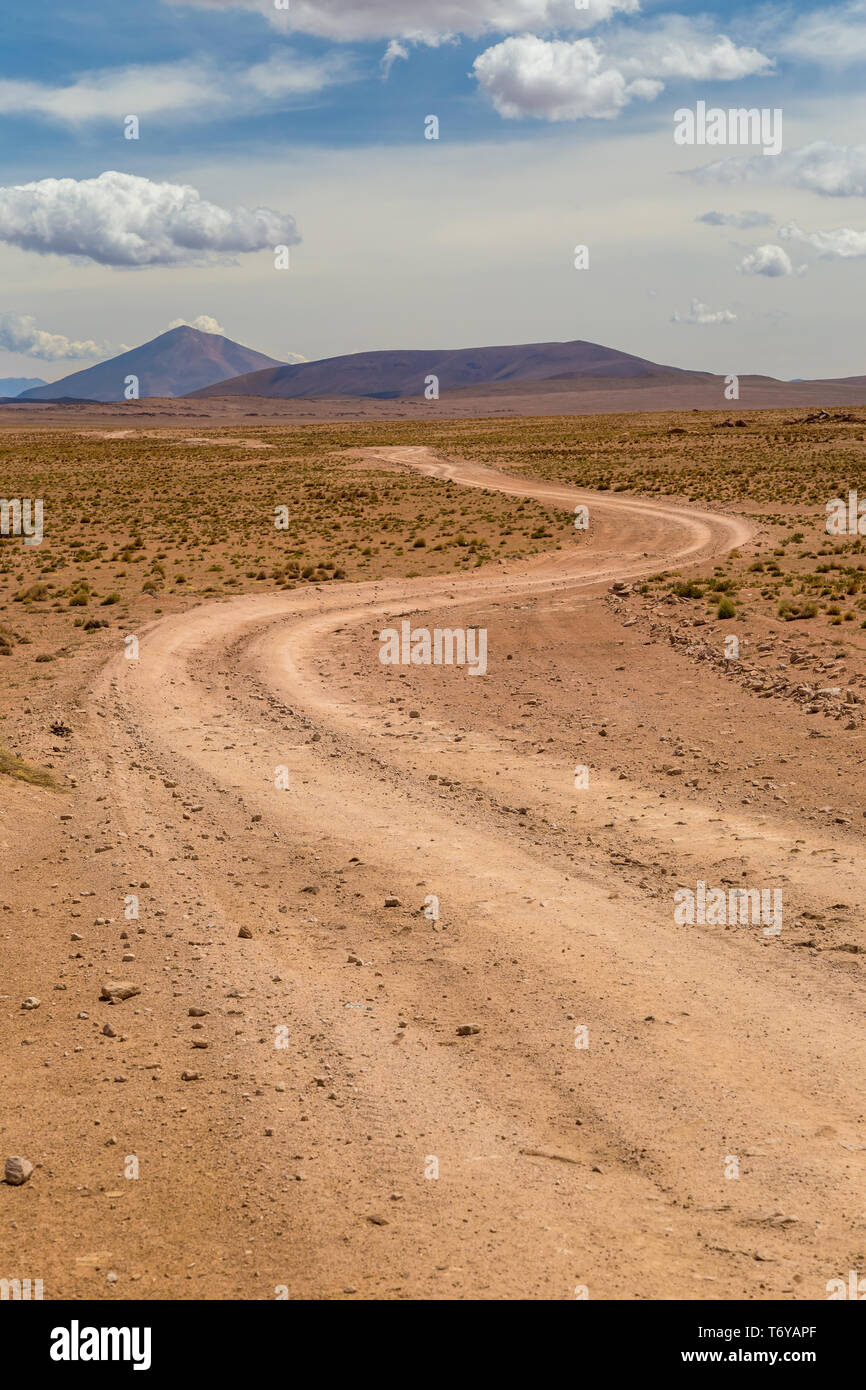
(174, 364)
(389, 375)
(14, 385)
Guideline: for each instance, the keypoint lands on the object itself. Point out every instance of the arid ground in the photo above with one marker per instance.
(463, 1048)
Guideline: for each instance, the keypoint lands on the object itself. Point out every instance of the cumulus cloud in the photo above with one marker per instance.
(702, 314)
(426, 22)
(565, 80)
(834, 171)
(18, 333)
(557, 81)
(743, 220)
(124, 220)
(769, 260)
(204, 323)
(157, 91)
(843, 244)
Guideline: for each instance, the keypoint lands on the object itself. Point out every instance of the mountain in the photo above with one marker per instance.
(174, 364)
(14, 385)
(392, 375)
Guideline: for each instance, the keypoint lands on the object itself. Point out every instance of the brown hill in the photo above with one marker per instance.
(395, 375)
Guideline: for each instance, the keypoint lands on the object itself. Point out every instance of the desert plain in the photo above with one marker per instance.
(411, 1014)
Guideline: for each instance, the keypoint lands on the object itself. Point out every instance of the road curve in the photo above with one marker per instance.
(375, 1150)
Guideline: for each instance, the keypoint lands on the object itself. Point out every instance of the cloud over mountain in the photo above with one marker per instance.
(18, 333)
(125, 220)
(702, 314)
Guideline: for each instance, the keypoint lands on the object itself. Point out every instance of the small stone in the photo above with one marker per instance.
(190, 1076)
(393, 902)
(245, 934)
(17, 1171)
(116, 990)
(197, 1013)
(467, 1030)
(31, 1003)
(109, 1032)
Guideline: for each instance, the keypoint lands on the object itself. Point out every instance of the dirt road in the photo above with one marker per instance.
(644, 1109)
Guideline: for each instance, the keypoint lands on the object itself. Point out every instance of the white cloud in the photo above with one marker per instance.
(124, 220)
(204, 323)
(844, 243)
(555, 81)
(394, 51)
(427, 21)
(831, 37)
(768, 260)
(742, 220)
(834, 171)
(678, 47)
(565, 80)
(702, 314)
(199, 89)
(18, 333)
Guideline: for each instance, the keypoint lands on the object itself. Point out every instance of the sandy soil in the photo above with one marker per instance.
(340, 1137)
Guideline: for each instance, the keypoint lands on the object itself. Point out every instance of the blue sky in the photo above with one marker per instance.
(555, 128)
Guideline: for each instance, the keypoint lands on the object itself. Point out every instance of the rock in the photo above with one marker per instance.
(18, 1171)
(190, 1076)
(197, 1013)
(245, 934)
(109, 1032)
(467, 1030)
(117, 990)
(393, 902)
(31, 1003)
(376, 1219)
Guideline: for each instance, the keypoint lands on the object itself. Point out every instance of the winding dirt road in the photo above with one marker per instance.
(258, 767)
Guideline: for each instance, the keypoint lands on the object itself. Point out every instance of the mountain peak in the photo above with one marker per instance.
(178, 361)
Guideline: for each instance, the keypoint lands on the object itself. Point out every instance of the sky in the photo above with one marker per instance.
(306, 125)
